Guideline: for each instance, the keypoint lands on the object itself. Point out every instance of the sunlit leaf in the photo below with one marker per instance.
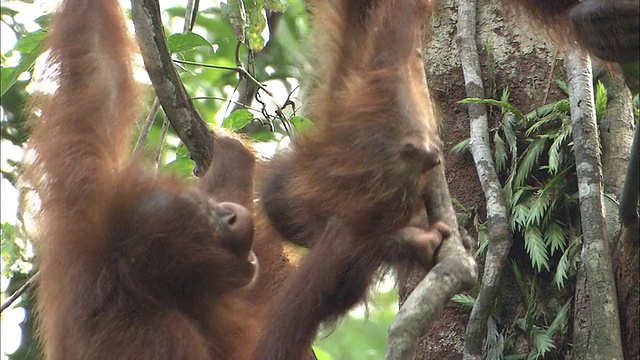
(263, 136)
(185, 42)
(276, 5)
(237, 120)
(182, 166)
(301, 123)
(600, 100)
(30, 47)
(503, 105)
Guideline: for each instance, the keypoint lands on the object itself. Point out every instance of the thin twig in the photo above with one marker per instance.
(31, 281)
(148, 123)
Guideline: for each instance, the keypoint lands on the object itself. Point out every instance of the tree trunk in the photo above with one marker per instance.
(517, 55)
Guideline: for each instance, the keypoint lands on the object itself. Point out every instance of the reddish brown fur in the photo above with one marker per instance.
(353, 188)
(135, 266)
(609, 29)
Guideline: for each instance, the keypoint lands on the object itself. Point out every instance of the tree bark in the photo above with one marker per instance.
(604, 340)
(517, 52)
(616, 132)
(499, 233)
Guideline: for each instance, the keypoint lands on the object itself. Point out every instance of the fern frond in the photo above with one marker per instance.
(500, 152)
(600, 100)
(529, 160)
(465, 300)
(541, 344)
(560, 322)
(538, 209)
(534, 244)
(562, 270)
(462, 146)
(555, 237)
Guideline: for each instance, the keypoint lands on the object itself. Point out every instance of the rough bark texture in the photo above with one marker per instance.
(519, 53)
(181, 112)
(604, 340)
(455, 271)
(616, 134)
(498, 223)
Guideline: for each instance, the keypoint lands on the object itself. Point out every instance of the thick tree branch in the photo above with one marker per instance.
(454, 272)
(184, 118)
(605, 340)
(499, 234)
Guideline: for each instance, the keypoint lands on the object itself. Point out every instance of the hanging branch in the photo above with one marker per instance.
(499, 234)
(604, 339)
(177, 105)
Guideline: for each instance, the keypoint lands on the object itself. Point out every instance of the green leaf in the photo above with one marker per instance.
(461, 146)
(500, 152)
(562, 270)
(541, 121)
(562, 85)
(483, 240)
(555, 237)
(182, 166)
(534, 244)
(29, 47)
(185, 42)
(301, 123)
(560, 322)
(601, 101)
(248, 20)
(276, 5)
(538, 210)
(519, 216)
(321, 354)
(545, 110)
(541, 344)
(237, 14)
(504, 105)
(237, 120)
(464, 300)
(528, 161)
(257, 24)
(263, 136)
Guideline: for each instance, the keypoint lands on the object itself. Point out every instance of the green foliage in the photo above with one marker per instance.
(360, 337)
(533, 154)
(237, 120)
(462, 146)
(301, 123)
(249, 20)
(600, 100)
(185, 42)
(465, 300)
(16, 253)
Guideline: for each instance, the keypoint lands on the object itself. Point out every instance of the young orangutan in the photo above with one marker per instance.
(133, 265)
(353, 188)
